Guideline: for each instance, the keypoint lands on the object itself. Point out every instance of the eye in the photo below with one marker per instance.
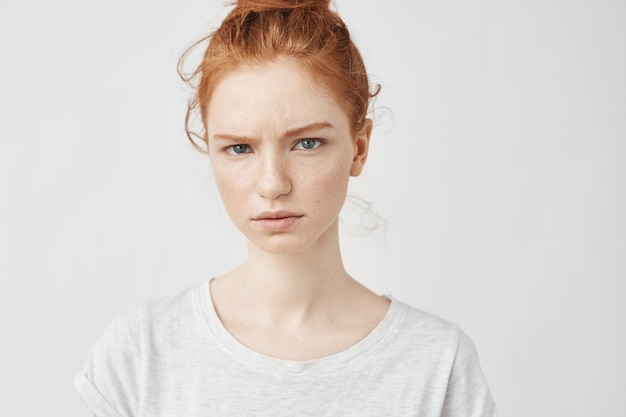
(238, 149)
(308, 143)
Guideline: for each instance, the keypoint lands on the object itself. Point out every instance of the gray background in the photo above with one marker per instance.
(497, 162)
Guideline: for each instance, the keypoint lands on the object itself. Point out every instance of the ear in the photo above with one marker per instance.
(361, 148)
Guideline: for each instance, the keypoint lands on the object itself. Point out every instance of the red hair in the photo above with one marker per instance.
(257, 31)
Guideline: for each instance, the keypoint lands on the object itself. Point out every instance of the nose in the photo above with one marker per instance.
(273, 180)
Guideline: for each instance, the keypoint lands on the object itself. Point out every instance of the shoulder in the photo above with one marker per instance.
(444, 348)
(430, 341)
(172, 318)
(171, 308)
(430, 330)
(110, 381)
(167, 314)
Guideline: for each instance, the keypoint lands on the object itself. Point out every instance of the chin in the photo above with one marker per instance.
(282, 244)
(291, 242)
(281, 248)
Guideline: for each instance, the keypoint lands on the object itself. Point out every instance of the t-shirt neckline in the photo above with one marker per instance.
(365, 347)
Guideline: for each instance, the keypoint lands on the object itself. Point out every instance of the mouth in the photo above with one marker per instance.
(277, 221)
(275, 215)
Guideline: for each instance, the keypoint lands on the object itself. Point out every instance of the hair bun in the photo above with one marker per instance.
(265, 5)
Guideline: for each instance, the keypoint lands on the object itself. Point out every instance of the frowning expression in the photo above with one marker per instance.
(282, 151)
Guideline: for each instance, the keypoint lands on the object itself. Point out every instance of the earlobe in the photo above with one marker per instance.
(361, 148)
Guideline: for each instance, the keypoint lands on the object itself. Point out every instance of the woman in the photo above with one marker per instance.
(283, 96)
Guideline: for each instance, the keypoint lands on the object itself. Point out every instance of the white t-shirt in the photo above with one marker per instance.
(174, 358)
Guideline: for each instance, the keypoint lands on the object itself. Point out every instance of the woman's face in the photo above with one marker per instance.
(282, 152)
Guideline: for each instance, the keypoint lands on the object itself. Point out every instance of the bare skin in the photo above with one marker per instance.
(292, 298)
(297, 313)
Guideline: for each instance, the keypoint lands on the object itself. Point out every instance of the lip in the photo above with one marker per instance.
(271, 215)
(276, 221)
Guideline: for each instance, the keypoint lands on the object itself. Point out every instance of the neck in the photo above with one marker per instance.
(293, 282)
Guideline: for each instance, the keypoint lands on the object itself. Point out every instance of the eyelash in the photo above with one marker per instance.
(231, 149)
(318, 143)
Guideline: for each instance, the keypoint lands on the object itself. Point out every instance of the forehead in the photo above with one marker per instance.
(279, 94)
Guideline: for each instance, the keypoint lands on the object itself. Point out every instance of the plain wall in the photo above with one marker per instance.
(497, 161)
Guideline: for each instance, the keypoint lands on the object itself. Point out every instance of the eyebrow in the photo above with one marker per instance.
(289, 133)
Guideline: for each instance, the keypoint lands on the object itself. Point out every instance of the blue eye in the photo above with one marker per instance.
(237, 149)
(308, 143)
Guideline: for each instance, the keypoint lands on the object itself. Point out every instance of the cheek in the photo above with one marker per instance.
(231, 188)
(329, 183)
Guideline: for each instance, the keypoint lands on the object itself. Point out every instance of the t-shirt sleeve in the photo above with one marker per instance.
(467, 394)
(109, 381)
